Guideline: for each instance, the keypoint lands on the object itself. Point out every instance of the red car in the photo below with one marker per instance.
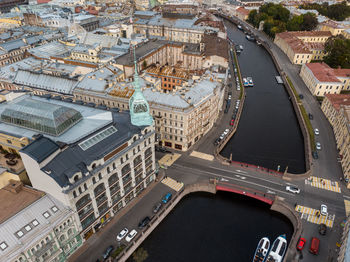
(301, 243)
(232, 122)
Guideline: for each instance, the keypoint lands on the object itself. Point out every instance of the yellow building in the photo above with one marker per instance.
(321, 79)
(337, 110)
(335, 28)
(302, 47)
(6, 176)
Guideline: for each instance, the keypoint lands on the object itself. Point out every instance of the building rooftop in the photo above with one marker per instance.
(92, 119)
(41, 116)
(214, 45)
(322, 72)
(77, 157)
(338, 100)
(14, 198)
(50, 49)
(63, 85)
(30, 215)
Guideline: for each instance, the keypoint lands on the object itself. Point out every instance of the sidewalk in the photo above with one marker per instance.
(88, 243)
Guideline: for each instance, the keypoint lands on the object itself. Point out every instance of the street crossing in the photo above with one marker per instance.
(172, 183)
(323, 184)
(313, 215)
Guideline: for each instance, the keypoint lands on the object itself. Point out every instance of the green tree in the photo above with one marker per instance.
(338, 11)
(252, 17)
(294, 24)
(309, 22)
(338, 52)
(140, 255)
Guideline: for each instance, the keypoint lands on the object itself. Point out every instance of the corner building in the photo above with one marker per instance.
(93, 161)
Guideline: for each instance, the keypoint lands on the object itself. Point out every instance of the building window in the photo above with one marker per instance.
(99, 176)
(46, 214)
(28, 228)
(35, 222)
(3, 246)
(19, 234)
(54, 209)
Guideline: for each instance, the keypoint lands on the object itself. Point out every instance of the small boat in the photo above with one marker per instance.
(245, 82)
(241, 47)
(250, 81)
(258, 42)
(261, 250)
(278, 249)
(239, 27)
(250, 38)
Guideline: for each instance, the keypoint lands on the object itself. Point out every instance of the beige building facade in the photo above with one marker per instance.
(303, 46)
(322, 80)
(337, 110)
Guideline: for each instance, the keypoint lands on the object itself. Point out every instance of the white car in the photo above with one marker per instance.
(318, 145)
(317, 132)
(324, 211)
(122, 234)
(131, 235)
(229, 97)
(293, 189)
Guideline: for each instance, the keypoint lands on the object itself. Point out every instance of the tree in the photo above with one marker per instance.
(294, 24)
(252, 17)
(309, 22)
(140, 255)
(338, 52)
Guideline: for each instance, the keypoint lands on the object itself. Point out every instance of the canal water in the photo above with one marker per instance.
(209, 228)
(268, 133)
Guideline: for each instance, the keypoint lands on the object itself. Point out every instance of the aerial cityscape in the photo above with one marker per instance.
(174, 130)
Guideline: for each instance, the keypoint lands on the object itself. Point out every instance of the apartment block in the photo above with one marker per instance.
(302, 47)
(337, 110)
(322, 80)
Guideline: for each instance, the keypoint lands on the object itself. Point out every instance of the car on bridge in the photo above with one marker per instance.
(293, 189)
(317, 132)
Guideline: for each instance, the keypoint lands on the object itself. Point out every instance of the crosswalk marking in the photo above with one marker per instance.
(202, 155)
(172, 183)
(313, 215)
(323, 184)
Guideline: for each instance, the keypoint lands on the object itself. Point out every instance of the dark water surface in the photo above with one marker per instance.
(214, 228)
(268, 134)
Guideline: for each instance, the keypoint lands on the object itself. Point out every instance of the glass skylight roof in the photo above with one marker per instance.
(44, 117)
(97, 138)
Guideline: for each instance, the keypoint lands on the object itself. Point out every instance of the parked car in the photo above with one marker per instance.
(301, 96)
(317, 132)
(314, 154)
(166, 198)
(216, 142)
(108, 252)
(157, 206)
(144, 222)
(131, 235)
(232, 122)
(324, 210)
(314, 245)
(322, 229)
(311, 116)
(301, 243)
(229, 97)
(293, 189)
(318, 146)
(122, 234)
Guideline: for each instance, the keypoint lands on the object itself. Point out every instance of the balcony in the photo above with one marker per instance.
(44, 248)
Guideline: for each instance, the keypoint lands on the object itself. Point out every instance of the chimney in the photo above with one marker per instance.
(14, 186)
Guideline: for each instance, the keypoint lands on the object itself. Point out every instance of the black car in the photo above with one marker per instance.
(157, 207)
(314, 155)
(217, 141)
(301, 96)
(311, 116)
(108, 252)
(144, 222)
(322, 229)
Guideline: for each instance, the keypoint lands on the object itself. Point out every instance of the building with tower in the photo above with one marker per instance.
(94, 161)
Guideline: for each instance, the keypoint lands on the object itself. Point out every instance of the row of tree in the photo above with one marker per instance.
(337, 12)
(338, 52)
(278, 19)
